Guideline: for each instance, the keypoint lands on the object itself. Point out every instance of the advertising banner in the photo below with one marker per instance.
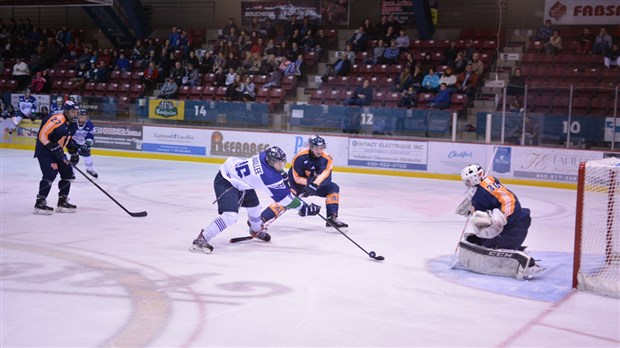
(182, 141)
(280, 11)
(401, 9)
(582, 12)
(388, 154)
(451, 158)
(548, 164)
(118, 136)
(42, 100)
(26, 134)
(166, 109)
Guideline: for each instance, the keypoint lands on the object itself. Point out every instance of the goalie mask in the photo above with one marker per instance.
(472, 175)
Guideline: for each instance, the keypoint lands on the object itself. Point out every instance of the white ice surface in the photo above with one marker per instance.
(102, 278)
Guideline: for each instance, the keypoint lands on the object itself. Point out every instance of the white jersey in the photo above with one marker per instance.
(27, 105)
(255, 173)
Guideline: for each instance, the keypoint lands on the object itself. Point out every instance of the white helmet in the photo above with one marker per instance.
(472, 175)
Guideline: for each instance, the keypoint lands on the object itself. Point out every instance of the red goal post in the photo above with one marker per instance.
(596, 265)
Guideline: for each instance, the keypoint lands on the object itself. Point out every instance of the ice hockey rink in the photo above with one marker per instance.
(101, 278)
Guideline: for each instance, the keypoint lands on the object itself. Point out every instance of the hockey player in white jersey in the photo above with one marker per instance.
(235, 186)
(27, 107)
(500, 226)
(82, 140)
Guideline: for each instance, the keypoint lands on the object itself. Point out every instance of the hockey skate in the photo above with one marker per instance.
(200, 245)
(262, 234)
(333, 222)
(64, 206)
(92, 173)
(41, 207)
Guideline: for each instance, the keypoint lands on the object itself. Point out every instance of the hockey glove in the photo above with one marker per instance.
(309, 210)
(310, 189)
(56, 151)
(75, 159)
(465, 208)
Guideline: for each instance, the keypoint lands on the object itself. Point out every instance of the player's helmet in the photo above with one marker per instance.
(70, 110)
(472, 175)
(316, 141)
(83, 117)
(274, 154)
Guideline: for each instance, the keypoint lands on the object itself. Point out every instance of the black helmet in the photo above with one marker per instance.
(316, 140)
(274, 154)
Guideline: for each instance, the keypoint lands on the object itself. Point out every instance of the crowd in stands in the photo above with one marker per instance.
(378, 60)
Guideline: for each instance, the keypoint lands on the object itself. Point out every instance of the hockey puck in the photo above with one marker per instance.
(372, 254)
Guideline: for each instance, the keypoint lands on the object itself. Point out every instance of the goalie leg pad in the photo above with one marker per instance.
(496, 262)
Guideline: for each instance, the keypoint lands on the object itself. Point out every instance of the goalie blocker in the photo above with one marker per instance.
(497, 262)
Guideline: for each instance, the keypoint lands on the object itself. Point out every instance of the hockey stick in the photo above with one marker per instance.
(137, 214)
(26, 130)
(371, 254)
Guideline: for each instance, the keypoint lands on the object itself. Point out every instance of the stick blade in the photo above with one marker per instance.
(379, 258)
(240, 239)
(138, 214)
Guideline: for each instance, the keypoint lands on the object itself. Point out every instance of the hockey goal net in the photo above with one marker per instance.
(596, 265)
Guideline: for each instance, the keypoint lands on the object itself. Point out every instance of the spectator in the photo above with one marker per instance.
(38, 82)
(122, 63)
(460, 62)
(427, 63)
(249, 90)
(191, 58)
(431, 81)
(231, 24)
(377, 53)
(402, 41)
(554, 45)
(21, 73)
(275, 79)
(231, 78)
(138, 51)
(149, 78)
(369, 29)
(409, 60)
(442, 99)
(584, 42)
(417, 78)
(516, 84)
(544, 33)
(612, 56)
(478, 64)
(601, 42)
(359, 40)
(169, 89)
(390, 34)
(403, 80)
(449, 54)
(362, 95)
(381, 27)
(408, 99)
(47, 86)
(467, 83)
(206, 63)
(391, 54)
(191, 76)
(341, 67)
(448, 78)
(101, 72)
(81, 75)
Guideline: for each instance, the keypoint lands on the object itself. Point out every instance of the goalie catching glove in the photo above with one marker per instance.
(465, 208)
(488, 224)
